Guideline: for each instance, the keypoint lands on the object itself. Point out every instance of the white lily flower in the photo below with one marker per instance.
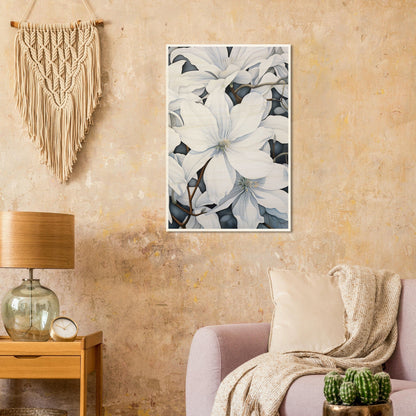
(176, 181)
(271, 74)
(174, 140)
(205, 217)
(229, 138)
(279, 127)
(176, 91)
(216, 69)
(277, 63)
(248, 194)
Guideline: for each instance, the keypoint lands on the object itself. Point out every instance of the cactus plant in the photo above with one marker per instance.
(332, 385)
(367, 386)
(350, 373)
(348, 393)
(359, 386)
(384, 384)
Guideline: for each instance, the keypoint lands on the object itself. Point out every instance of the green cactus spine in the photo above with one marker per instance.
(331, 373)
(332, 385)
(350, 373)
(384, 384)
(348, 393)
(367, 386)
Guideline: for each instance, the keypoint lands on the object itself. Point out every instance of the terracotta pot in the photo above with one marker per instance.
(383, 409)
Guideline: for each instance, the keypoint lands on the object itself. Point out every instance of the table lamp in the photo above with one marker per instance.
(33, 240)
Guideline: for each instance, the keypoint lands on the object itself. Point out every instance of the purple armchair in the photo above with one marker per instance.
(217, 350)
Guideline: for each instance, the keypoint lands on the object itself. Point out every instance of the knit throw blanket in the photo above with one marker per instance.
(371, 301)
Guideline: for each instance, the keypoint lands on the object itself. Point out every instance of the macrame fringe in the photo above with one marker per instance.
(58, 131)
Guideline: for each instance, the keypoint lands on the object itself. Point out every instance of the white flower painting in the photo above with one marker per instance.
(228, 138)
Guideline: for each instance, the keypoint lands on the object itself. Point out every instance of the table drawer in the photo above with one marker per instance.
(49, 366)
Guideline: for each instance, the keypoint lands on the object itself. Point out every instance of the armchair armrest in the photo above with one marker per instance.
(215, 352)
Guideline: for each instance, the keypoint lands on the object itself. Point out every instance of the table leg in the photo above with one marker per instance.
(99, 380)
(83, 386)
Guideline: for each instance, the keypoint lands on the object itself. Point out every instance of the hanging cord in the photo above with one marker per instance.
(28, 10)
(31, 4)
(89, 8)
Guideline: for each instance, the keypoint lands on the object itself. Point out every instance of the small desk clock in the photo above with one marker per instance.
(63, 329)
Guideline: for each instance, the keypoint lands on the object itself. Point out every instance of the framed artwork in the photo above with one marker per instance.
(228, 138)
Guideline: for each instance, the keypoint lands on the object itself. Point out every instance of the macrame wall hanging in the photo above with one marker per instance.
(57, 86)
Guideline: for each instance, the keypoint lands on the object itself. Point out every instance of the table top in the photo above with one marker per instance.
(81, 343)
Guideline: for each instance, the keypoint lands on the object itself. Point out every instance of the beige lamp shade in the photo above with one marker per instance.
(36, 240)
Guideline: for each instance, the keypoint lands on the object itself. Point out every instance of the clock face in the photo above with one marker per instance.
(64, 328)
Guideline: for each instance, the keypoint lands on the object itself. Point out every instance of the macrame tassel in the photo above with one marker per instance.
(58, 86)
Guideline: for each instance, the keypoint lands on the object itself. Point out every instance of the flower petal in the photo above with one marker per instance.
(268, 78)
(253, 141)
(221, 83)
(193, 223)
(280, 127)
(246, 210)
(174, 120)
(278, 214)
(273, 199)
(243, 77)
(205, 58)
(282, 72)
(175, 71)
(246, 117)
(283, 90)
(278, 178)
(173, 139)
(247, 56)
(218, 105)
(176, 177)
(268, 96)
(209, 221)
(183, 199)
(200, 130)
(200, 200)
(176, 100)
(193, 80)
(229, 198)
(272, 61)
(194, 161)
(251, 164)
(219, 177)
(218, 55)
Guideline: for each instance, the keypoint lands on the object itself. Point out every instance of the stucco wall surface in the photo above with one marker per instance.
(353, 180)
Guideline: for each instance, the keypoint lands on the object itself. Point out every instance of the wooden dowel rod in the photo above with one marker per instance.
(98, 22)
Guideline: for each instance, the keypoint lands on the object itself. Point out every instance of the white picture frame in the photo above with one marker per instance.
(228, 138)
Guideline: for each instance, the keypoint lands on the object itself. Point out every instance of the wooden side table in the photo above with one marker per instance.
(56, 360)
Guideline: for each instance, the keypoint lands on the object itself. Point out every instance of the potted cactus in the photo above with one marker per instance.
(358, 393)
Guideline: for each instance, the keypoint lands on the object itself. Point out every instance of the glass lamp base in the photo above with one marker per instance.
(28, 311)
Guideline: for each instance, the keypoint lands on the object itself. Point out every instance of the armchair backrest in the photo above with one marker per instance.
(402, 364)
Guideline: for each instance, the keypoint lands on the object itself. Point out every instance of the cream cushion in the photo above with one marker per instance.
(308, 312)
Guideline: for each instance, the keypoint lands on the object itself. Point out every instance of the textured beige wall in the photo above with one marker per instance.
(353, 175)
